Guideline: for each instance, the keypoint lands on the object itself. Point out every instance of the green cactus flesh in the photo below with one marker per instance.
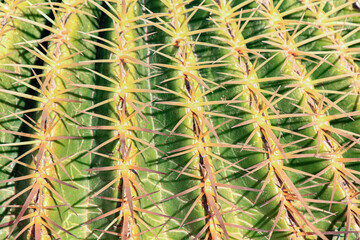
(170, 119)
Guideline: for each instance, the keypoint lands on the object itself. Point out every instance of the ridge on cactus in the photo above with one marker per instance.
(170, 119)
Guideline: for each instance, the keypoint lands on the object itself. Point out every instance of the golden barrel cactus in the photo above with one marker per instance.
(169, 119)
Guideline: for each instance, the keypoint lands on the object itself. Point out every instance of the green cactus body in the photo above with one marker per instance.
(51, 127)
(183, 91)
(312, 101)
(245, 85)
(211, 119)
(122, 101)
(13, 31)
(273, 167)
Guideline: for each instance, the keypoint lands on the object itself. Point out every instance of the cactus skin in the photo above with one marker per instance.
(210, 119)
(13, 31)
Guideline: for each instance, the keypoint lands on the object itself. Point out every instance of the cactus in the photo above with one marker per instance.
(169, 119)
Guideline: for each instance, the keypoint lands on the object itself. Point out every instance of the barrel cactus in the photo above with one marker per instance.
(169, 119)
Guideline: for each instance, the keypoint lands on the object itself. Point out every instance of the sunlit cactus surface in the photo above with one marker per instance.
(176, 120)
